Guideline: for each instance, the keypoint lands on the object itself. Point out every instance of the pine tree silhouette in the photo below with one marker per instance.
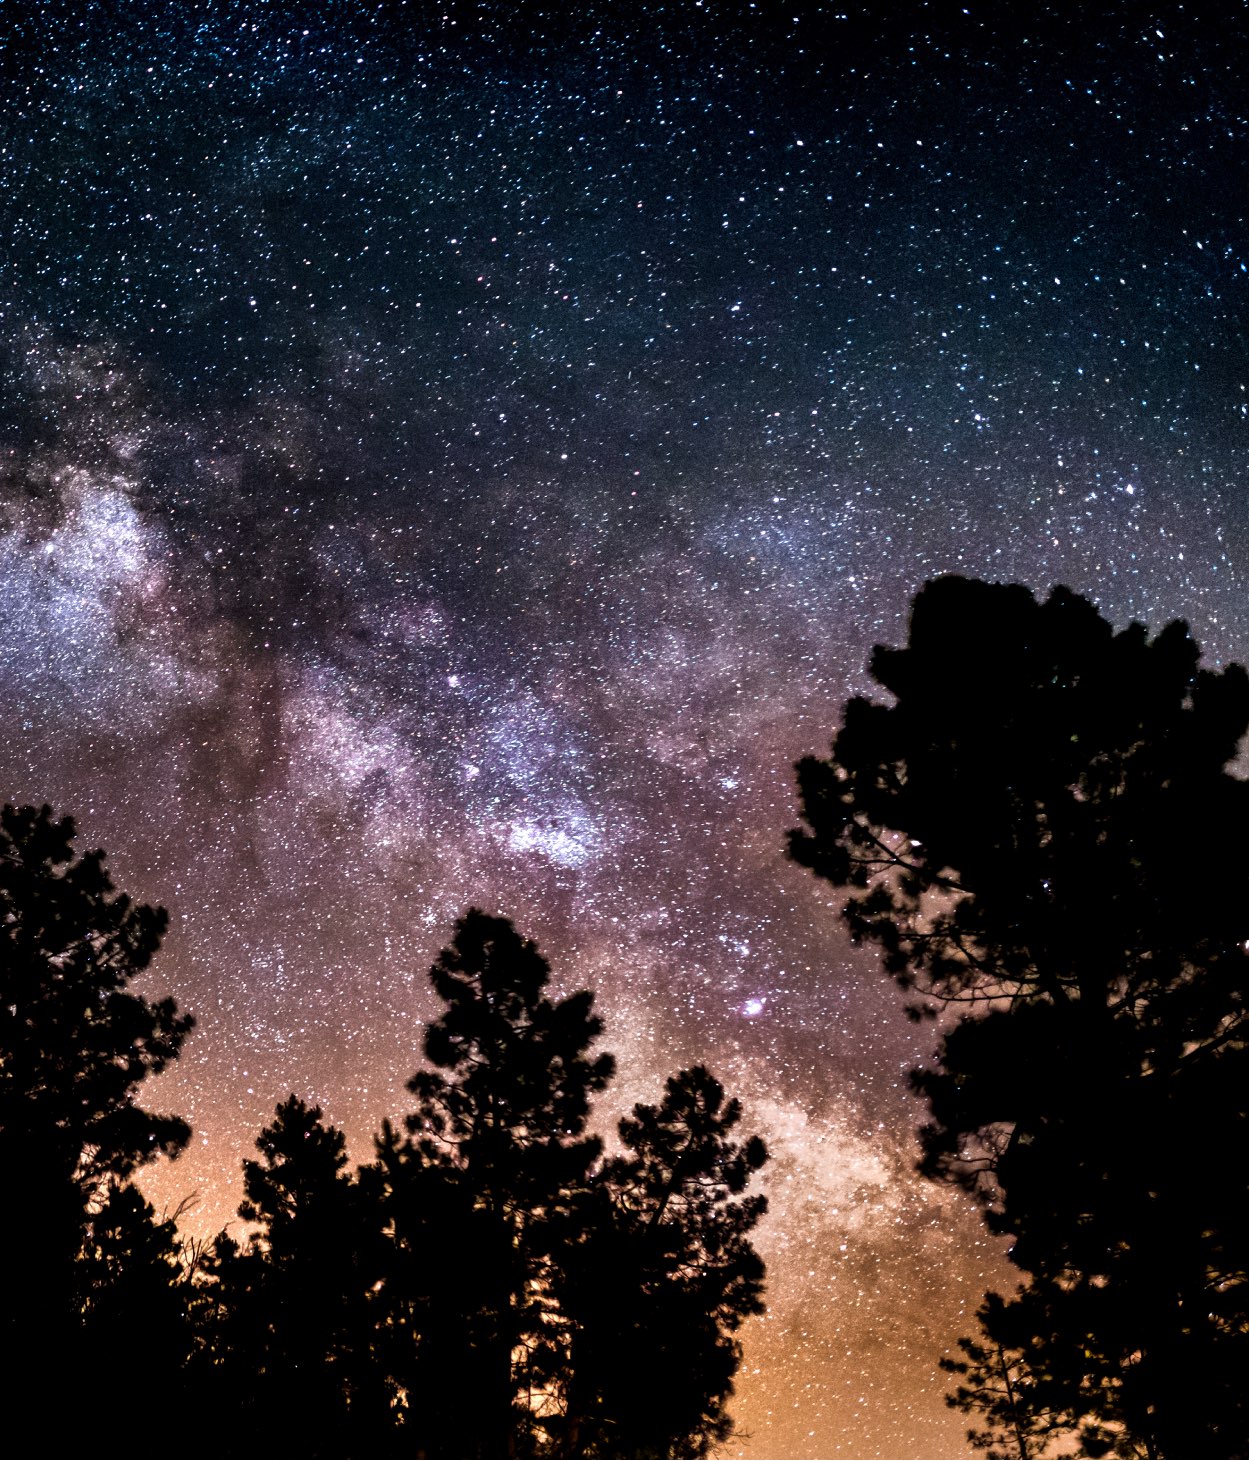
(133, 1299)
(1038, 834)
(661, 1280)
(494, 1157)
(488, 1285)
(75, 1045)
(287, 1321)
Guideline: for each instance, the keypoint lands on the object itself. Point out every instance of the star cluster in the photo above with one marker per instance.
(464, 454)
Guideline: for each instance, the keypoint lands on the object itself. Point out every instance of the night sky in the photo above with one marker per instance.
(464, 454)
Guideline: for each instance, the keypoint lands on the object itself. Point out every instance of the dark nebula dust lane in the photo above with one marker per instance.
(463, 455)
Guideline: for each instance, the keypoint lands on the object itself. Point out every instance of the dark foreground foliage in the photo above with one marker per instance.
(89, 1276)
(489, 1285)
(1041, 834)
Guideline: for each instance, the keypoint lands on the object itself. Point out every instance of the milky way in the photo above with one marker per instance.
(463, 455)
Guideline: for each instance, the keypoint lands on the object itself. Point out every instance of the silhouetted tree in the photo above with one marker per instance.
(1020, 1376)
(661, 1279)
(442, 1277)
(132, 1297)
(541, 1301)
(479, 1194)
(75, 1045)
(1041, 833)
(286, 1322)
(488, 1286)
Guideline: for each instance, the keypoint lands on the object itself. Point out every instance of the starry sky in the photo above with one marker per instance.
(463, 454)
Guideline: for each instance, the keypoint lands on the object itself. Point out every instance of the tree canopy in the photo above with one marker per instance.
(660, 1280)
(81, 1249)
(490, 1285)
(285, 1322)
(502, 1115)
(75, 1042)
(1039, 832)
(573, 1275)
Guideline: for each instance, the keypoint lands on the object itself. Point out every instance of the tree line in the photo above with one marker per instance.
(1040, 831)
(490, 1284)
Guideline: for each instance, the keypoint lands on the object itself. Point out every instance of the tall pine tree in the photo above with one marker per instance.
(286, 1322)
(495, 1157)
(75, 1046)
(661, 1279)
(489, 1286)
(1038, 831)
